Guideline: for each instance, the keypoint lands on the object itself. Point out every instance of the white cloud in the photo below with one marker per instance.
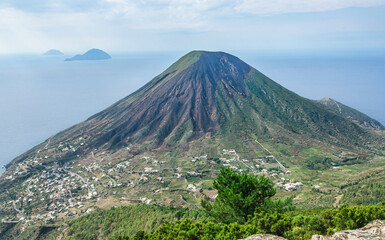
(269, 7)
(168, 24)
(206, 15)
(22, 31)
(165, 14)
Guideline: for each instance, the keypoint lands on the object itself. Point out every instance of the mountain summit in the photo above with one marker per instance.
(217, 94)
(182, 102)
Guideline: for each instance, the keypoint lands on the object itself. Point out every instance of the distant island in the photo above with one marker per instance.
(93, 54)
(53, 52)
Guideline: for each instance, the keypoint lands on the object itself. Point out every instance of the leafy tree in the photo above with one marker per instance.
(238, 196)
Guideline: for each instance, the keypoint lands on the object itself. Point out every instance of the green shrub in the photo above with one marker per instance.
(239, 195)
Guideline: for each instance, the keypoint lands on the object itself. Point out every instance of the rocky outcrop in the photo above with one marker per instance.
(374, 231)
(264, 237)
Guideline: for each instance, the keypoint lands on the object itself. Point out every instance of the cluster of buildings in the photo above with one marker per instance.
(56, 189)
(65, 193)
(23, 168)
(192, 187)
(288, 185)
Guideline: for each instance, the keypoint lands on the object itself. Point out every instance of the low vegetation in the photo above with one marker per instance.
(296, 225)
(246, 205)
(109, 224)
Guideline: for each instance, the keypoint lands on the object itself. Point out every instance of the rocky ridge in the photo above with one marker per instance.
(375, 230)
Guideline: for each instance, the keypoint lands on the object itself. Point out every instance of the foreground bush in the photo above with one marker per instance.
(298, 225)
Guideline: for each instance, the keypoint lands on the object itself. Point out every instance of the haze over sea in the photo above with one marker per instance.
(41, 95)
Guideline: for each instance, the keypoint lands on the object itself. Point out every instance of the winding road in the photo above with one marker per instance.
(280, 164)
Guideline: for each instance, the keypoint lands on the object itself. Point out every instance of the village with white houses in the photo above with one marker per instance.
(60, 191)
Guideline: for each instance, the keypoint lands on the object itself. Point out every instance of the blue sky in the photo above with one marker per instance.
(138, 25)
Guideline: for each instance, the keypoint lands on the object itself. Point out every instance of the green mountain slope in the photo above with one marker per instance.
(350, 113)
(215, 93)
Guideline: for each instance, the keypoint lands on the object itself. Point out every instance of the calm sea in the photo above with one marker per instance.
(41, 95)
